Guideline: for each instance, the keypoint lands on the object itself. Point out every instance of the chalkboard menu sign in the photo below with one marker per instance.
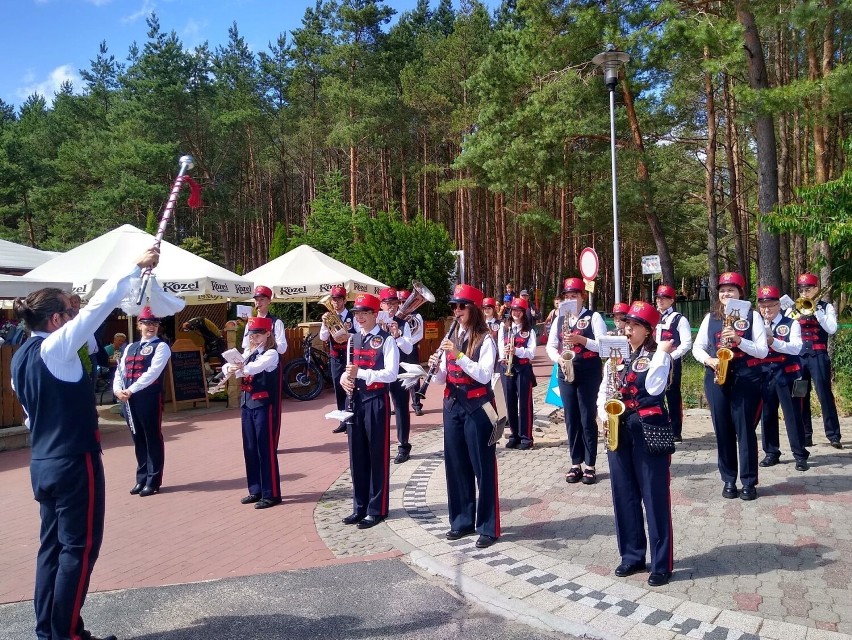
(186, 374)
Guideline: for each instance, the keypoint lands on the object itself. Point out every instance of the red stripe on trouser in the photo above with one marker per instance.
(273, 455)
(496, 501)
(386, 464)
(162, 442)
(84, 565)
(671, 526)
(757, 415)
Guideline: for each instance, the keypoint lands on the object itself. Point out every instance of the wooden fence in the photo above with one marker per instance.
(11, 412)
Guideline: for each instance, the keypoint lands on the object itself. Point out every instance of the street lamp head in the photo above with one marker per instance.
(610, 61)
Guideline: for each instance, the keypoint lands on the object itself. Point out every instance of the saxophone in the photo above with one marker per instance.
(566, 358)
(724, 354)
(614, 407)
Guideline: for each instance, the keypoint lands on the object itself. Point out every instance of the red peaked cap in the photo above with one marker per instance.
(729, 277)
(260, 290)
(665, 291)
(338, 292)
(404, 294)
(147, 314)
(520, 303)
(573, 284)
(620, 307)
(466, 293)
(257, 325)
(807, 280)
(366, 302)
(768, 292)
(388, 293)
(643, 313)
(489, 302)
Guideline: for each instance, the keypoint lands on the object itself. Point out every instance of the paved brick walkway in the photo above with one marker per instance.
(778, 567)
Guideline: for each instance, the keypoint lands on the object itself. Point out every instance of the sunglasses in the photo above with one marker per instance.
(458, 305)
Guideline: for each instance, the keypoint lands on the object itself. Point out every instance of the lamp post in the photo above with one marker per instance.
(610, 61)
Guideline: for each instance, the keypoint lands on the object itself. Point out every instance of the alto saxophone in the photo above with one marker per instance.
(566, 358)
(724, 354)
(614, 407)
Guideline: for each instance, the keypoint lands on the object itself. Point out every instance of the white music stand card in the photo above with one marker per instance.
(786, 302)
(568, 308)
(739, 308)
(609, 344)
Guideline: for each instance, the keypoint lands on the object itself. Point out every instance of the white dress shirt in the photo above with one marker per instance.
(756, 347)
(161, 357)
(407, 338)
(598, 328)
(520, 352)
(683, 330)
(386, 374)
(267, 360)
(793, 346)
(480, 370)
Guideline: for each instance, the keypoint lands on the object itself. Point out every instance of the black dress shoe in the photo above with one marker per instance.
(623, 570)
(341, 428)
(418, 411)
(769, 461)
(678, 439)
(484, 541)
(88, 636)
(455, 534)
(836, 444)
(512, 443)
(148, 491)
(748, 493)
(265, 503)
(401, 456)
(137, 488)
(353, 518)
(250, 498)
(658, 579)
(802, 465)
(370, 522)
(730, 490)
(809, 441)
(525, 445)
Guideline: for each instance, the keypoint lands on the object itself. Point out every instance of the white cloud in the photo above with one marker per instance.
(51, 84)
(99, 3)
(192, 32)
(144, 11)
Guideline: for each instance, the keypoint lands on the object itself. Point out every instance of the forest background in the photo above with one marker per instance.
(387, 146)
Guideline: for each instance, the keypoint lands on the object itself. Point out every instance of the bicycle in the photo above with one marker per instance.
(306, 377)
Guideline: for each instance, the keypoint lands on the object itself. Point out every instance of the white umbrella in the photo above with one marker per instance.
(306, 274)
(20, 286)
(180, 272)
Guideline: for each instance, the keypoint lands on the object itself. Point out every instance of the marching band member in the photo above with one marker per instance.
(619, 310)
(400, 396)
(489, 306)
(337, 346)
(138, 381)
(66, 467)
(417, 327)
(373, 366)
(640, 475)
(259, 373)
(780, 368)
(578, 336)
(519, 340)
(673, 326)
(465, 362)
(262, 297)
(816, 365)
(734, 405)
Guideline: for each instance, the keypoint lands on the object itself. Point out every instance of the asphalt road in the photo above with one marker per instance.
(365, 600)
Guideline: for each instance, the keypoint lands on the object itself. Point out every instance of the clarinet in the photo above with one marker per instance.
(421, 393)
(350, 397)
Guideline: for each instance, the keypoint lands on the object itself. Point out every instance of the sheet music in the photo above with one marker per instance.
(568, 308)
(608, 344)
(233, 356)
(786, 302)
(739, 308)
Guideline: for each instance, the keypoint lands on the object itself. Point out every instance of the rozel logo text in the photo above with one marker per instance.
(289, 291)
(219, 287)
(179, 287)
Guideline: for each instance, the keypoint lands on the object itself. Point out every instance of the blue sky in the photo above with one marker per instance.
(44, 42)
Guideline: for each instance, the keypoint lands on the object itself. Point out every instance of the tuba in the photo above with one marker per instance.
(420, 295)
(566, 358)
(613, 407)
(724, 355)
(332, 321)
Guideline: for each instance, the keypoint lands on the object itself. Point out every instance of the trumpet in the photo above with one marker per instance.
(805, 307)
(724, 355)
(331, 320)
(510, 353)
(614, 407)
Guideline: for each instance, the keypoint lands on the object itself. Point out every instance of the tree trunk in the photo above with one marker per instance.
(710, 177)
(735, 199)
(768, 256)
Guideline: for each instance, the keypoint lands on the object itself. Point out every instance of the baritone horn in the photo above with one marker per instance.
(420, 295)
(331, 321)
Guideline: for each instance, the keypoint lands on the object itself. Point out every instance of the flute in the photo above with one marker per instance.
(421, 393)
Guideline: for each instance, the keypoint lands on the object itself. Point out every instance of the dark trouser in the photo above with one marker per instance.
(400, 397)
(277, 397)
(519, 405)
(146, 410)
(262, 474)
(674, 399)
(816, 369)
(735, 409)
(337, 369)
(70, 492)
(416, 401)
(470, 462)
(638, 479)
(579, 400)
(369, 443)
(776, 391)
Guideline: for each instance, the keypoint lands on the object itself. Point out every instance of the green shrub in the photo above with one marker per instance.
(692, 383)
(841, 360)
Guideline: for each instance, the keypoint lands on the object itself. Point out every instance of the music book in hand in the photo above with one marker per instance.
(233, 356)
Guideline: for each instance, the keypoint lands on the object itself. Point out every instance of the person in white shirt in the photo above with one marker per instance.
(517, 337)
(336, 345)
(675, 327)
(734, 402)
